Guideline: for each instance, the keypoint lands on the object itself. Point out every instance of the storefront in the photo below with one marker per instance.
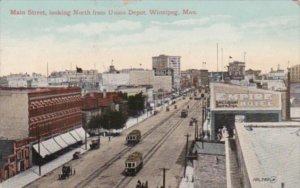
(254, 105)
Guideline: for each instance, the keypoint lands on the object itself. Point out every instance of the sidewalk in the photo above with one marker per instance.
(30, 175)
(188, 181)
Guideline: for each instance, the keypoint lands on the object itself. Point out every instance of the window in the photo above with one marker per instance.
(19, 155)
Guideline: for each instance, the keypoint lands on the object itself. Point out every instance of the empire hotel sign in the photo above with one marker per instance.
(233, 97)
(243, 100)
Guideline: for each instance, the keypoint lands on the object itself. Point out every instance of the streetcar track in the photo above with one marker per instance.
(126, 180)
(102, 168)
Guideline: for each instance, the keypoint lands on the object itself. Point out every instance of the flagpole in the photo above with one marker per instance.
(222, 64)
(217, 58)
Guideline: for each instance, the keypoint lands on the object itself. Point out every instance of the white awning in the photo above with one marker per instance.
(75, 135)
(81, 132)
(51, 145)
(43, 150)
(60, 141)
(68, 138)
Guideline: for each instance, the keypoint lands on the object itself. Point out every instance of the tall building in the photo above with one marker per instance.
(49, 115)
(164, 65)
(295, 73)
(236, 70)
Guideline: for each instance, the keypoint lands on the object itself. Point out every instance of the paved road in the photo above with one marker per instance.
(162, 145)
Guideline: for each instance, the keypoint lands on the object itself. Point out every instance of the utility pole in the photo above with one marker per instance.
(85, 140)
(109, 129)
(186, 153)
(39, 150)
(99, 133)
(164, 176)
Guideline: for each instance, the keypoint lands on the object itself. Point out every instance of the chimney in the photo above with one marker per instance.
(104, 93)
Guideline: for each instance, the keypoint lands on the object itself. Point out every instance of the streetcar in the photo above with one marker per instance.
(184, 113)
(133, 163)
(133, 137)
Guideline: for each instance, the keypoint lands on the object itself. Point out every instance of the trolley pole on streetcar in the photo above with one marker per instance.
(186, 153)
(164, 176)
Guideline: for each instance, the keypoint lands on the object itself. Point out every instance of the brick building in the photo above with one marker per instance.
(32, 114)
(96, 103)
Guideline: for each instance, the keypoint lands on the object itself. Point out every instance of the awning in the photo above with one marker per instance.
(60, 141)
(81, 132)
(43, 150)
(52, 145)
(68, 138)
(75, 135)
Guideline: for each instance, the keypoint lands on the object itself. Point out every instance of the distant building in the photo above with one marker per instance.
(16, 80)
(147, 91)
(218, 76)
(97, 103)
(185, 80)
(194, 77)
(204, 81)
(278, 74)
(295, 73)
(164, 65)
(236, 70)
(111, 81)
(135, 78)
(51, 115)
(38, 80)
(263, 155)
(256, 74)
(75, 78)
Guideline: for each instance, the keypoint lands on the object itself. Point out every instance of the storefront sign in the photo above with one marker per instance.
(243, 100)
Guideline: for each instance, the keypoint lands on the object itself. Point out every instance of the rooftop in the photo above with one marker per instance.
(271, 150)
(210, 168)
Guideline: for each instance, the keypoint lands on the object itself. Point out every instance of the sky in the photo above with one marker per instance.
(268, 31)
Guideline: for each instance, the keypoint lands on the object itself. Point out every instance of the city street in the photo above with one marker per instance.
(162, 145)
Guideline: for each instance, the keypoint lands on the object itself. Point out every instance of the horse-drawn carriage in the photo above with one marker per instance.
(95, 144)
(66, 172)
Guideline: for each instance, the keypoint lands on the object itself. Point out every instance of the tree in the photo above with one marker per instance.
(136, 103)
(95, 122)
(108, 120)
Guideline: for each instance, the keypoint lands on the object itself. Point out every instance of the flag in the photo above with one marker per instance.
(78, 69)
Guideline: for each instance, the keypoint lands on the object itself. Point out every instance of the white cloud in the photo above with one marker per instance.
(94, 28)
(272, 22)
(196, 22)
